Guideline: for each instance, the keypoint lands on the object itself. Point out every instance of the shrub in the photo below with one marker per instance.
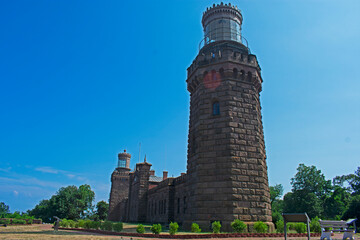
(29, 221)
(300, 227)
(280, 226)
(95, 225)
(81, 223)
(195, 228)
(276, 216)
(118, 226)
(260, 227)
(156, 228)
(64, 223)
(291, 226)
(238, 226)
(173, 228)
(216, 226)
(107, 226)
(71, 223)
(315, 225)
(140, 228)
(87, 224)
(5, 221)
(18, 221)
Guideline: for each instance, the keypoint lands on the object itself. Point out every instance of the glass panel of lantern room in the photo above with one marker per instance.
(122, 163)
(222, 29)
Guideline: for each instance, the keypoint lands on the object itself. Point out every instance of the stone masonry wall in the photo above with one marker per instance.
(119, 192)
(226, 152)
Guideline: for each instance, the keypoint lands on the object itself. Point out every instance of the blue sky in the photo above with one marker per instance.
(82, 80)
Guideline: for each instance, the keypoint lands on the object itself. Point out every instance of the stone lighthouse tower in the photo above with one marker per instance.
(120, 188)
(226, 168)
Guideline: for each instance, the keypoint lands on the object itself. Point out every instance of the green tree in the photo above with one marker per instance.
(276, 192)
(4, 209)
(303, 201)
(310, 180)
(353, 181)
(44, 210)
(336, 204)
(353, 210)
(102, 209)
(277, 205)
(68, 202)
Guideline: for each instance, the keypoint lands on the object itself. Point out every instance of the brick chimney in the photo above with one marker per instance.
(165, 175)
(152, 172)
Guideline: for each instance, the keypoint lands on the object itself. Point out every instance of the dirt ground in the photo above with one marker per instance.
(45, 231)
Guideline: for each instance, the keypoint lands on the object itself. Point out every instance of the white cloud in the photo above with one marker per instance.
(5, 169)
(16, 193)
(47, 170)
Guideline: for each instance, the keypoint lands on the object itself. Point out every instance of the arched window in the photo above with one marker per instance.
(216, 108)
(235, 73)
(221, 71)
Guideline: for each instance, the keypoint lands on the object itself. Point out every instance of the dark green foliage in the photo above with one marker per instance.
(260, 227)
(216, 227)
(310, 180)
(156, 228)
(102, 209)
(309, 188)
(4, 209)
(71, 223)
(5, 221)
(353, 210)
(95, 225)
(276, 192)
(69, 202)
(303, 201)
(64, 223)
(18, 221)
(336, 204)
(315, 225)
(353, 181)
(300, 227)
(80, 224)
(238, 226)
(118, 226)
(280, 226)
(173, 228)
(291, 226)
(107, 226)
(87, 224)
(276, 216)
(195, 228)
(277, 205)
(140, 228)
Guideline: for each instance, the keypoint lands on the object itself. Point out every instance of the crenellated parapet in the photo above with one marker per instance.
(119, 174)
(218, 10)
(229, 63)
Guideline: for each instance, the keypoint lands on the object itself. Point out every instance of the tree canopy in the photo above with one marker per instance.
(4, 209)
(69, 202)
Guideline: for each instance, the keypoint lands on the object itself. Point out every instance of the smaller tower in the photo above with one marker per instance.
(139, 186)
(119, 188)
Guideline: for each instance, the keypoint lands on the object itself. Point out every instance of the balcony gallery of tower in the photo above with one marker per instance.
(226, 176)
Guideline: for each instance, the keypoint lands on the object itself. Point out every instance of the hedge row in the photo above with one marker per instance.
(9, 221)
(89, 224)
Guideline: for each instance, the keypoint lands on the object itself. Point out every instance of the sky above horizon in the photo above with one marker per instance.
(81, 81)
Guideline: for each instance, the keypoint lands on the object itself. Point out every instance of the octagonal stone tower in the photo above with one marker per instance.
(227, 172)
(119, 188)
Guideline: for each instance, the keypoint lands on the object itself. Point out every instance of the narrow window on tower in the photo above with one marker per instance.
(178, 205)
(216, 108)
